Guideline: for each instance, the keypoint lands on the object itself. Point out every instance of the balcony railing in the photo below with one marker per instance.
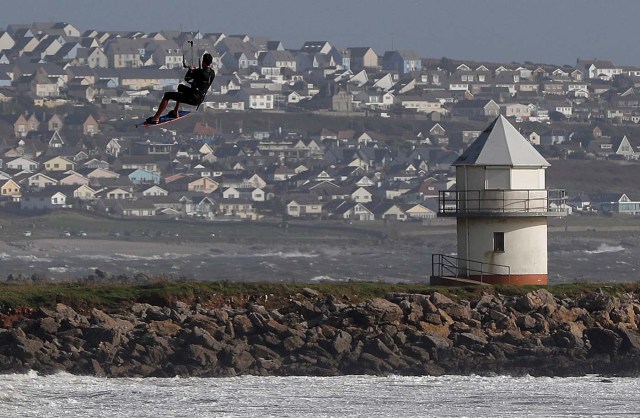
(454, 267)
(526, 202)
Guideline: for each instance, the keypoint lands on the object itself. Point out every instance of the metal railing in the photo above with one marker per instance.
(527, 201)
(448, 266)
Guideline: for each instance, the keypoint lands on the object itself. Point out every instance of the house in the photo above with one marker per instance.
(279, 59)
(254, 98)
(387, 211)
(342, 209)
(40, 181)
(419, 211)
(618, 203)
(20, 127)
(422, 104)
(402, 61)
(580, 202)
(476, 109)
(10, 190)
(617, 148)
(59, 164)
(155, 191)
(199, 206)
(42, 200)
(90, 126)
(72, 178)
(84, 192)
(118, 193)
(602, 69)
(141, 176)
(204, 185)
(362, 58)
(516, 110)
(238, 208)
(22, 163)
(134, 208)
(361, 195)
(304, 207)
(125, 52)
(114, 147)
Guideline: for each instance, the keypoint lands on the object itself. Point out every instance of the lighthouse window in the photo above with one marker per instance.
(498, 241)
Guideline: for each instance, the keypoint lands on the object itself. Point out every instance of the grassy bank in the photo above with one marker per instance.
(116, 297)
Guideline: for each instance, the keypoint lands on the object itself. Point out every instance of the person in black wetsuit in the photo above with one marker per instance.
(200, 80)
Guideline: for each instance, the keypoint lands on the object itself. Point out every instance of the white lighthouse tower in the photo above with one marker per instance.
(501, 207)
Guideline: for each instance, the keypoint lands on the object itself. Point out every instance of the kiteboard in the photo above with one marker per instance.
(164, 119)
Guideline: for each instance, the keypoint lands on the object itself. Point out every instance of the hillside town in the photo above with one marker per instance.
(69, 100)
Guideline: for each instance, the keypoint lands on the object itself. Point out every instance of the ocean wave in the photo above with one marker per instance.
(33, 258)
(323, 279)
(606, 248)
(132, 257)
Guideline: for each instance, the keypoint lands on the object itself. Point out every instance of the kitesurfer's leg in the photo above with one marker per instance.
(175, 112)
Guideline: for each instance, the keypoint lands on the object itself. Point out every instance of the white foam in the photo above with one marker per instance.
(358, 396)
(33, 258)
(606, 248)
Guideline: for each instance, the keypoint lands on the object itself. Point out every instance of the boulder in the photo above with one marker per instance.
(374, 365)
(342, 342)
(469, 340)
(261, 352)
(103, 320)
(384, 310)
(165, 328)
(205, 322)
(238, 357)
(276, 327)
(433, 318)
(292, 343)
(201, 356)
(439, 299)
(540, 299)
(201, 337)
(630, 340)
(604, 341)
(243, 325)
(157, 313)
(434, 342)
(432, 329)
(69, 318)
(94, 335)
(598, 301)
(457, 311)
(48, 325)
(377, 348)
(526, 322)
(415, 313)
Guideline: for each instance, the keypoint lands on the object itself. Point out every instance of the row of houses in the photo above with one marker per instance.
(55, 63)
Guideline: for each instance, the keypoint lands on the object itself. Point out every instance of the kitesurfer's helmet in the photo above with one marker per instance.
(207, 59)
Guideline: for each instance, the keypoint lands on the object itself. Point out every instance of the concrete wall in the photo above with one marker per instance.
(525, 244)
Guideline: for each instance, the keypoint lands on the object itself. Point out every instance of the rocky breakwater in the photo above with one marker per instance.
(313, 334)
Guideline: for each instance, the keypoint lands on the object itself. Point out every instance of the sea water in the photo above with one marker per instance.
(31, 395)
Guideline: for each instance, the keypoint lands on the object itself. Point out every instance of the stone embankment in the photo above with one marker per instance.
(409, 334)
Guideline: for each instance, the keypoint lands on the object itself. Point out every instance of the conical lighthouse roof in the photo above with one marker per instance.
(501, 145)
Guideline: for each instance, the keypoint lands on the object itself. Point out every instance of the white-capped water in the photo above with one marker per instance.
(606, 248)
(613, 257)
(30, 395)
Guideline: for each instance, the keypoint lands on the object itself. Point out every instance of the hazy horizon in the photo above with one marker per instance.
(544, 31)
